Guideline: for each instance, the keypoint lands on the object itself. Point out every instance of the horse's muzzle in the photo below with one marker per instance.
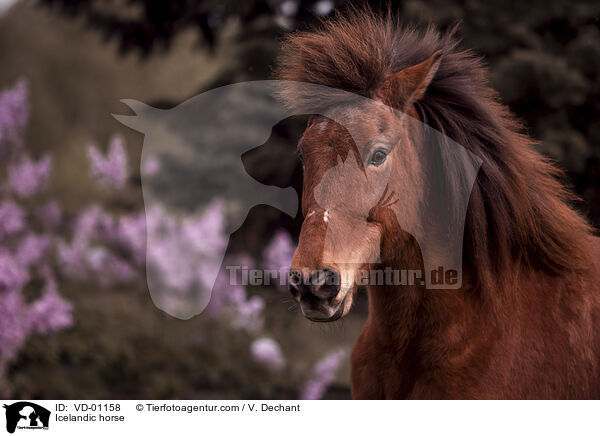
(316, 292)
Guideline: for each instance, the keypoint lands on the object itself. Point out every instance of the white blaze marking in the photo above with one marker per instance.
(325, 215)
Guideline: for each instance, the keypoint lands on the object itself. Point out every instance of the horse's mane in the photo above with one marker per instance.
(519, 211)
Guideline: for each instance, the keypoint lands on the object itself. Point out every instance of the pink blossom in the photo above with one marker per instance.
(225, 295)
(14, 327)
(243, 260)
(50, 214)
(109, 170)
(278, 256)
(72, 258)
(32, 248)
(12, 218)
(14, 112)
(184, 256)
(50, 312)
(174, 267)
(27, 177)
(150, 166)
(131, 232)
(13, 275)
(323, 375)
(248, 314)
(93, 223)
(230, 299)
(106, 265)
(205, 234)
(120, 269)
(267, 352)
(280, 251)
(78, 256)
(28, 251)
(82, 255)
(97, 245)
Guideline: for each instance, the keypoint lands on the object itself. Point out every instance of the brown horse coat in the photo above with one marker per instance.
(526, 322)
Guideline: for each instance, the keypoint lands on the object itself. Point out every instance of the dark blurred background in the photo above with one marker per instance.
(81, 57)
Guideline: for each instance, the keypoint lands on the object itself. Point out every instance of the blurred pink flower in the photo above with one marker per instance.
(93, 223)
(50, 312)
(50, 214)
(27, 177)
(97, 259)
(28, 253)
(14, 328)
(71, 258)
(79, 257)
(131, 232)
(18, 320)
(109, 170)
(278, 257)
(225, 295)
(243, 260)
(104, 247)
(323, 375)
(171, 264)
(205, 234)
(280, 251)
(13, 275)
(230, 299)
(267, 352)
(248, 314)
(32, 248)
(150, 166)
(14, 112)
(12, 218)
(184, 256)
(120, 269)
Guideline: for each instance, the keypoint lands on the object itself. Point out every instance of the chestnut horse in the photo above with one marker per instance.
(524, 323)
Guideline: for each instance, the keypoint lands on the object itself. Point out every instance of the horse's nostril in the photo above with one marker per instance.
(295, 277)
(295, 283)
(326, 282)
(333, 276)
(322, 284)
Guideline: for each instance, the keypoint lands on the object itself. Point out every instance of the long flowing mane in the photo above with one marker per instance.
(519, 212)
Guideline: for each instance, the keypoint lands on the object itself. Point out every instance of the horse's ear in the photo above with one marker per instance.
(410, 84)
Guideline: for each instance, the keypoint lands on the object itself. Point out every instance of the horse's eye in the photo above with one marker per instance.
(378, 158)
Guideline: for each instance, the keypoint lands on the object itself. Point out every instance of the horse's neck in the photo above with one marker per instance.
(401, 317)
(393, 314)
